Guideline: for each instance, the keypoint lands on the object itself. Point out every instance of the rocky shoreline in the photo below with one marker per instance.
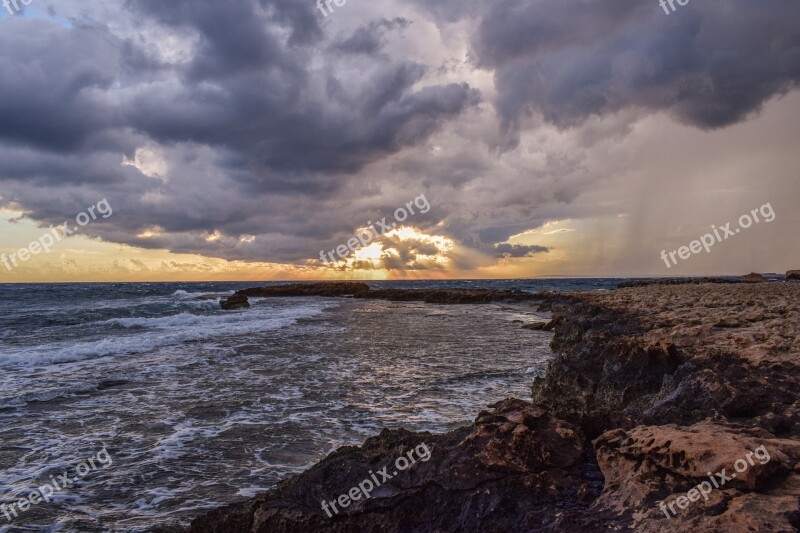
(362, 290)
(652, 389)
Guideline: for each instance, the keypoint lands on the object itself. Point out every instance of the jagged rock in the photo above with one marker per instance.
(753, 277)
(651, 464)
(504, 473)
(551, 326)
(656, 355)
(237, 301)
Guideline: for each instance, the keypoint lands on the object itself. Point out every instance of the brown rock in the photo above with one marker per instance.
(793, 274)
(753, 277)
(649, 464)
(551, 326)
(237, 301)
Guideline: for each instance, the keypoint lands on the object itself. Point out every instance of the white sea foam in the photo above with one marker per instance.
(218, 402)
(147, 334)
(184, 295)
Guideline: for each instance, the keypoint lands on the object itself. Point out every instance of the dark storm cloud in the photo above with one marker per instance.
(518, 250)
(259, 98)
(710, 64)
(369, 39)
(236, 36)
(54, 82)
(255, 137)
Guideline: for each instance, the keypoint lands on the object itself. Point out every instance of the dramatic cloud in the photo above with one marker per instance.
(259, 130)
(711, 64)
(244, 115)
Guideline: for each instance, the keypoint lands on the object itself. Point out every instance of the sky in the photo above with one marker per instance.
(251, 139)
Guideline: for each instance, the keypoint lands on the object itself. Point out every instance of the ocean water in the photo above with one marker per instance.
(198, 407)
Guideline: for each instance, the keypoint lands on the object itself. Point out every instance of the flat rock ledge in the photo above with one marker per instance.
(652, 390)
(362, 290)
(753, 277)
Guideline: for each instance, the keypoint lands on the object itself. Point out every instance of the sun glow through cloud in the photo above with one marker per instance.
(402, 248)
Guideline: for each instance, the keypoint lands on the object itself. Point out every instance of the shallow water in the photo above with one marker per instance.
(198, 407)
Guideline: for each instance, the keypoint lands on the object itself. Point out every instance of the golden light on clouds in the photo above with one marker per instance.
(401, 252)
(83, 259)
(405, 252)
(371, 253)
(577, 247)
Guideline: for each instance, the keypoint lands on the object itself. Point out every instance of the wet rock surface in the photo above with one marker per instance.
(237, 301)
(516, 467)
(652, 389)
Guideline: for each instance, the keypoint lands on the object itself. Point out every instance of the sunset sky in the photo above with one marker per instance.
(237, 139)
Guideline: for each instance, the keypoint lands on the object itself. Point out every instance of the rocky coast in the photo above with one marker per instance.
(653, 390)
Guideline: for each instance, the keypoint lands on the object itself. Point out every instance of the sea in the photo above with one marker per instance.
(184, 407)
